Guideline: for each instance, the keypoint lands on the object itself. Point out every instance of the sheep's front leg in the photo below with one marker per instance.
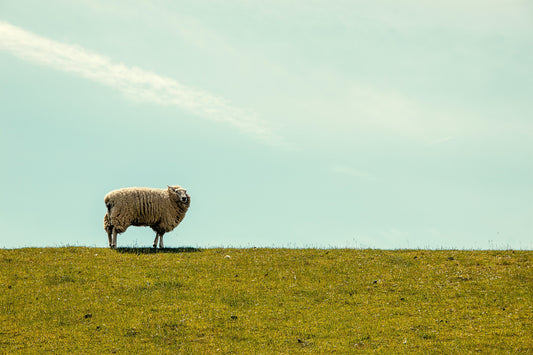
(155, 240)
(161, 246)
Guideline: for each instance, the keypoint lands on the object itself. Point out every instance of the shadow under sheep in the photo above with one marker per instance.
(136, 250)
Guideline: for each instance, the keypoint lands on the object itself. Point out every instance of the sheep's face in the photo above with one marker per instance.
(179, 194)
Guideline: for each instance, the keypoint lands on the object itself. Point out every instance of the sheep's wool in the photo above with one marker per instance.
(159, 209)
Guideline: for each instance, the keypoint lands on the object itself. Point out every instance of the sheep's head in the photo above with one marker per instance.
(179, 194)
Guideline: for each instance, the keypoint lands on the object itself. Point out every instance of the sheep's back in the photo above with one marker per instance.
(142, 205)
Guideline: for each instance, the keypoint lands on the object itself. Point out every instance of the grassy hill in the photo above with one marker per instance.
(87, 300)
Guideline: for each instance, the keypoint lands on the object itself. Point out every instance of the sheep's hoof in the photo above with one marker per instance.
(155, 246)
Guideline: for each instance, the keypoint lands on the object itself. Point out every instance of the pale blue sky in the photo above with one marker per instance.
(383, 124)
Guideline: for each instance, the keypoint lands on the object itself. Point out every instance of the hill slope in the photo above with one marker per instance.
(265, 300)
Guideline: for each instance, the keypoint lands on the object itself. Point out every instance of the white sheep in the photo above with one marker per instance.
(160, 209)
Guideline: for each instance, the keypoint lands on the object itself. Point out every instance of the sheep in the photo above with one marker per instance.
(160, 209)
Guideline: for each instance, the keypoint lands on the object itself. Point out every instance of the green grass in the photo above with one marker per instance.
(87, 300)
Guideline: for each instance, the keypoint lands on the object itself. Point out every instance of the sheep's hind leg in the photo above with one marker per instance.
(114, 241)
(155, 240)
(108, 228)
(109, 237)
(161, 246)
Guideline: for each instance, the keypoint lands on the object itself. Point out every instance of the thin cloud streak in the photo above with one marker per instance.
(134, 82)
(354, 173)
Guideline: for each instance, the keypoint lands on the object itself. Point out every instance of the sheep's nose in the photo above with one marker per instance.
(184, 199)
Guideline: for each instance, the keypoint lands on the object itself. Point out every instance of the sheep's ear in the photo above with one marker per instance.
(172, 190)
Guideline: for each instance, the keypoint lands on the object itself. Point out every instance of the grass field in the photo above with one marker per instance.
(89, 300)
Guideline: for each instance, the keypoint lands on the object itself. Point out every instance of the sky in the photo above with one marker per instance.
(304, 124)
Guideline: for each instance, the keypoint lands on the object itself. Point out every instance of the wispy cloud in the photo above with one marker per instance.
(352, 172)
(134, 82)
(443, 140)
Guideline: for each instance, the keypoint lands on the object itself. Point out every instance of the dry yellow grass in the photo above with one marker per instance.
(87, 300)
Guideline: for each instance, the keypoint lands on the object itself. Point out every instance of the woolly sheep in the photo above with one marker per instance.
(160, 209)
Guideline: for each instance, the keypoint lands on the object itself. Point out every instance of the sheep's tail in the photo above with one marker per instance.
(107, 201)
(107, 218)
